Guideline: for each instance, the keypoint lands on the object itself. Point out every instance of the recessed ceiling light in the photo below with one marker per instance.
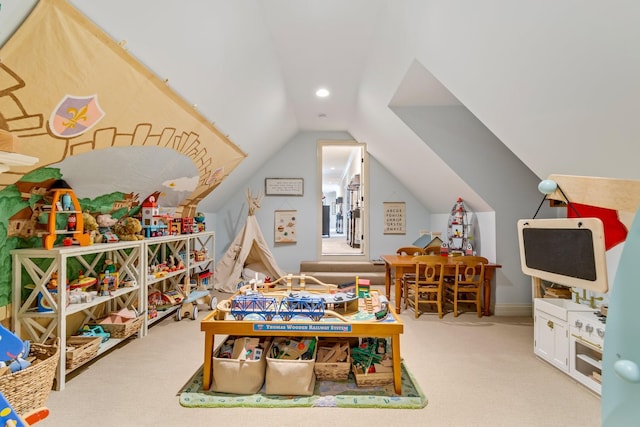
(322, 93)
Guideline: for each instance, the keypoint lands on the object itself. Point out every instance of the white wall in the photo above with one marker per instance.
(494, 173)
(298, 159)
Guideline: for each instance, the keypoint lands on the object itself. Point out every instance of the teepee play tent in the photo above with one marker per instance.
(248, 251)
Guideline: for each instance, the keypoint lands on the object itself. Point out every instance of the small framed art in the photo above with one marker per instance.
(394, 218)
(285, 227)
(284, 186)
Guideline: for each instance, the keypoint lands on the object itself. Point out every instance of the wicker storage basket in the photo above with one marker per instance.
(81, 349)
(123, 330)
(332, 371)
(372, 379)
(29, 389)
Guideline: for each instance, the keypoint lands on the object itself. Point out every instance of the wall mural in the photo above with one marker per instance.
(66, 88)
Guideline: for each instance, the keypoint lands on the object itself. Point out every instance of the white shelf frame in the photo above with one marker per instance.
(132, 257)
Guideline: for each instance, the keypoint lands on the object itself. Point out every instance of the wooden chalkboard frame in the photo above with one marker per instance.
(566, 251)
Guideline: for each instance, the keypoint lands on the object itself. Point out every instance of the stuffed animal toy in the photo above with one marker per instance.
(105, 222)
(128, 228)
(91, 227)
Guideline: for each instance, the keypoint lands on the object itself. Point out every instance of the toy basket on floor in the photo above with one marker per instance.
(334, 370)
(81, 349)
(28, 389)
(371, 379)
(123, 330)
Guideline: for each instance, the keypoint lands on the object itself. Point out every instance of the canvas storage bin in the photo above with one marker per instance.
(238, 374)
(290, 377)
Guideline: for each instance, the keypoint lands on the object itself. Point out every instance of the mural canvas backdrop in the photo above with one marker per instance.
(67, 88)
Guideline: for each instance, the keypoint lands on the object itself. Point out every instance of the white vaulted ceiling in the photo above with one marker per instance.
(555, 82)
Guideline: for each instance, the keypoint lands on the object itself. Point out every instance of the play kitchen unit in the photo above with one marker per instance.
(566, 261)
(570, 336)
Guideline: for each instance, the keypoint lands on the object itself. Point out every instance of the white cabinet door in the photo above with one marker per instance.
(551, 340)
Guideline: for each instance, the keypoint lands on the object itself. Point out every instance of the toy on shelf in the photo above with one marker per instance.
(105, 234)
(171, 298)
(108, 283)
(153, 223)
(64, 202)
(90, 226)
(200, 256)
(128, 228)
(77, 296)
(185, 225)
(154, 299)
(199, 218)
(82, 282)
(94, 331)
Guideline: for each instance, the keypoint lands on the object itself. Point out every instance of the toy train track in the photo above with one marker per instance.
(269, 307)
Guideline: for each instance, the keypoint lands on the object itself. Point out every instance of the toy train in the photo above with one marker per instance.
(177, 226)
(269, 307)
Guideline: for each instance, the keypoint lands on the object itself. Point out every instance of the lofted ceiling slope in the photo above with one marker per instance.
(556, 82)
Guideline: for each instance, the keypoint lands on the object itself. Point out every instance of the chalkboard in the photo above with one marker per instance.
(567, 251)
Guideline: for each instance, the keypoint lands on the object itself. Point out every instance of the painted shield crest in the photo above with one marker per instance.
(75, 115)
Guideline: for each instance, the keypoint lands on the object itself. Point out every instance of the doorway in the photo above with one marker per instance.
(344, 213)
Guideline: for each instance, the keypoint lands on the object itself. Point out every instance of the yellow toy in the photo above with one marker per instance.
(91, 227)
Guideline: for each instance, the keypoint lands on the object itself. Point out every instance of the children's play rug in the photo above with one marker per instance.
(343, 394)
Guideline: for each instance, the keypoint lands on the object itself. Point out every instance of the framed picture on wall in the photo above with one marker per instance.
(285, 227)
(284, 186)
(394, 218)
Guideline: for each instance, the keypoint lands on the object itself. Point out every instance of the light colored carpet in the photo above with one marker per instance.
(475, 372)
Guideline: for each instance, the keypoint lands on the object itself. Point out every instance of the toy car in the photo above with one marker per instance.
(94, 331)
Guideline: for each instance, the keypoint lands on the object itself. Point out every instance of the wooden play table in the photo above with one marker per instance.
(359, 325)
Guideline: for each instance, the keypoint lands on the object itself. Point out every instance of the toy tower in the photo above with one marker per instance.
(152, 221)
(150, 211)
(458, 230)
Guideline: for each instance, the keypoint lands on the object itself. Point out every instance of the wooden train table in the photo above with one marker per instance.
(358, 324)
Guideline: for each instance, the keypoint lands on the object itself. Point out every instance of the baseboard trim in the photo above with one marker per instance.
(513, 310)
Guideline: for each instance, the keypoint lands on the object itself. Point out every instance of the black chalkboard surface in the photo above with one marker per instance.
(567, 251)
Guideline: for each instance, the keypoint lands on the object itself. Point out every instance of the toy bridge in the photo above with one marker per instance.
(268, 307)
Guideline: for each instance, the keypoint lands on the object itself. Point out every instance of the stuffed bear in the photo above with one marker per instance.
(91, 227)
(128, 228)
